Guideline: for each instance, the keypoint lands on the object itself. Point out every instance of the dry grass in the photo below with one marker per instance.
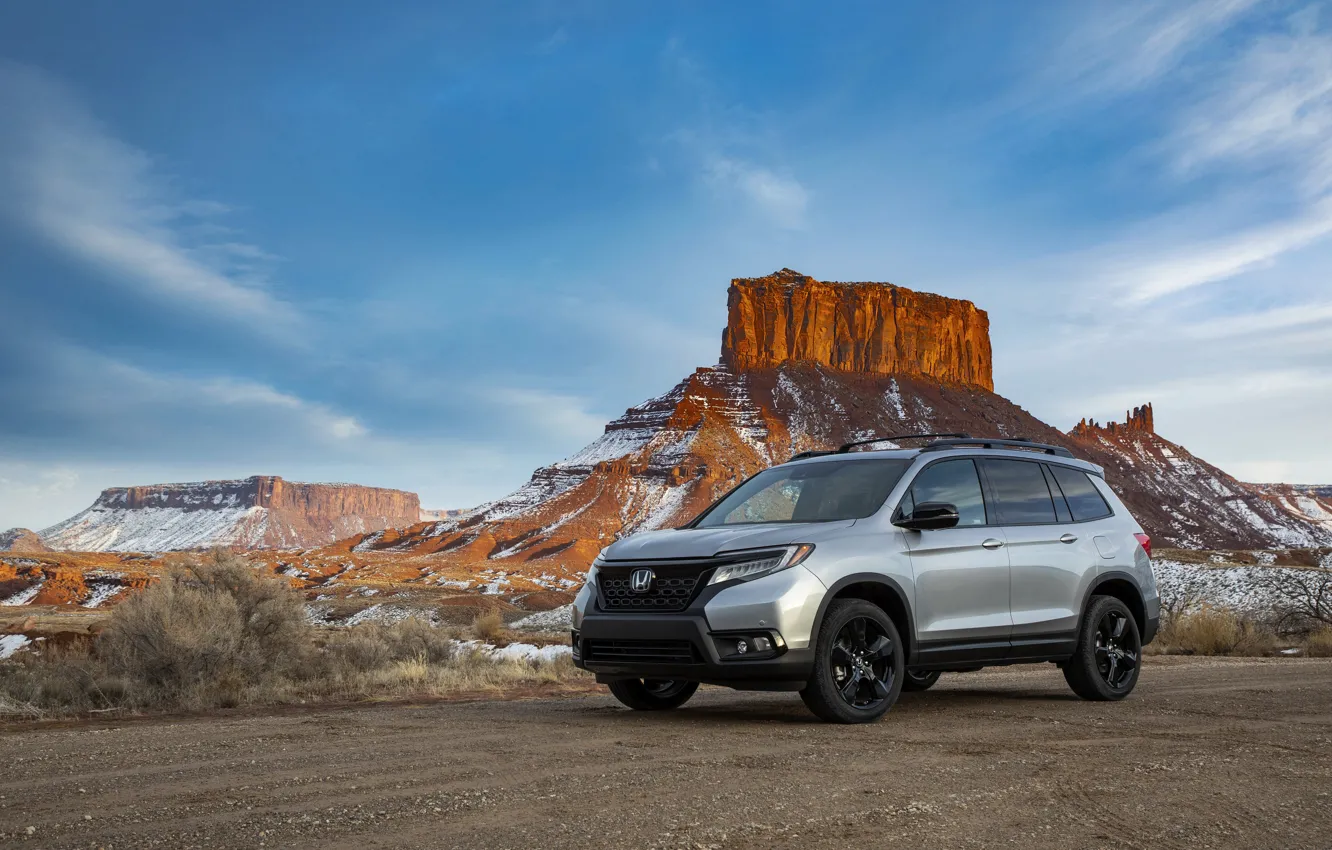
(1213, 631)
(487, 626)
(219, 633)
(1319, 644)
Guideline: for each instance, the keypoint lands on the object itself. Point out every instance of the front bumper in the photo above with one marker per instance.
(781, 606)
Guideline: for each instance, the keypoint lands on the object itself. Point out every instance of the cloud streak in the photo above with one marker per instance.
(105, 203)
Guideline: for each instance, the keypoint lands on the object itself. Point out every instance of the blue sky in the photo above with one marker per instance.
(434, 246)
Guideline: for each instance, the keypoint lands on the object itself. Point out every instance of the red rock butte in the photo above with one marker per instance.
(874, 328)
(1138, 419)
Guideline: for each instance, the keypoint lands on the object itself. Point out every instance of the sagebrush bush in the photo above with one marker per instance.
(217, 623)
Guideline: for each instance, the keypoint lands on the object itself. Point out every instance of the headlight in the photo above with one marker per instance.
(770, 562)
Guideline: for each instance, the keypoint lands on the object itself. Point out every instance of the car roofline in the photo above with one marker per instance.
(946, 452)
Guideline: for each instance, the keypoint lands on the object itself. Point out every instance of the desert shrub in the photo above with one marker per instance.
(217, 623)
(488, 626)
(1213, 631)
(1303, 597)
(1318, 644)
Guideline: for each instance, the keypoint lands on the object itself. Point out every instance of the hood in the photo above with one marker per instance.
(706, 542)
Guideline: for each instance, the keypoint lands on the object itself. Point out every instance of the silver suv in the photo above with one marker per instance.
(852, 575)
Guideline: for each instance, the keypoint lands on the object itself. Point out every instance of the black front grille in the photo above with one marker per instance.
(641, 651)
(667, 593)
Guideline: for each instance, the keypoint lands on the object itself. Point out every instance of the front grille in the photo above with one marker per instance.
(668, 593)
(641, 651)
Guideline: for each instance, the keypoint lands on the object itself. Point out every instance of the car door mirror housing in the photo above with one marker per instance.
(929, 516)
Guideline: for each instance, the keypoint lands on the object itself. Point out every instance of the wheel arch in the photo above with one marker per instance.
(881, 590)
(1123, 587)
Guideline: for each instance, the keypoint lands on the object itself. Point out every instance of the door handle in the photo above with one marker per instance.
(1069, 538)
(992, 543)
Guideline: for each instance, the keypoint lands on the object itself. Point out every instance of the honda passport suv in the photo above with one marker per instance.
(851, 575)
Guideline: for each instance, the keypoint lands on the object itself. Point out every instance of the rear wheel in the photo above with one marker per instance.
(858, 664)
(653, 694)
(1109, 654)
(922, 681)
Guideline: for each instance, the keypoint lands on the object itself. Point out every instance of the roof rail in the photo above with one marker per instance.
(894, 438)
(989, 443)
(804, 455)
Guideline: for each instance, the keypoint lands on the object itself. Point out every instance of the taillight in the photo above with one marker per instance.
(1146, 543)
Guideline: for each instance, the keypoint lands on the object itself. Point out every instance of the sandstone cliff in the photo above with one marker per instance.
(877, 328)
(256, 512)
(1138, 419)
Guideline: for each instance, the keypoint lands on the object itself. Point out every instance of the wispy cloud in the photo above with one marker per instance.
(107, 204)
(1121, 46)
(730, 146)
(1149, 275)
(1279, 319)
(1271, 109)
(561, 416)
(780, 197)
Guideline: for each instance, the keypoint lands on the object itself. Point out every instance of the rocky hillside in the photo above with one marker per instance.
(1311, 501)
(1186, 501)
(808, 365)
(257, 512)
(22, 540)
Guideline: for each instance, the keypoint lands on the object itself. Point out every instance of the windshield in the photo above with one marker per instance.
(809, 492)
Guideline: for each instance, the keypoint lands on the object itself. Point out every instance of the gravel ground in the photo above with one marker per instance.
(1207, 753)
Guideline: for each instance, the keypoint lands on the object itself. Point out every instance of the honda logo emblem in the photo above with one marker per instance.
(640, 581)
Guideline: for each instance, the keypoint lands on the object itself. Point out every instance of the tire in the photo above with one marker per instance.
(859, 664)
(921, 681)
(1106, 664)
(653, 694)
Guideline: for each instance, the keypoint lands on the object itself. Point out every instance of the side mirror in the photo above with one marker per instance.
(930, 516)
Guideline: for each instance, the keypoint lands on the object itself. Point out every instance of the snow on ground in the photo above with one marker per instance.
(1222, 587)
(99, 592)
(10, 644)
(556, 619)
(24, 596)
(155, 529)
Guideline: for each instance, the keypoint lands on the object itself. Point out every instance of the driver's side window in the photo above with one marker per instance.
(954, 482)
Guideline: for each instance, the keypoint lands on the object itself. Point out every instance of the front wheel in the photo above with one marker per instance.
(1109, 654)
(653, 694)
(859, 664)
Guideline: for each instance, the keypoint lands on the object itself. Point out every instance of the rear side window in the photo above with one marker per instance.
(1084, 500)
(1020, 493)
(954, 482)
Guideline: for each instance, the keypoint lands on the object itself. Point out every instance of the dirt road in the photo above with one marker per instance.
(1208, 753)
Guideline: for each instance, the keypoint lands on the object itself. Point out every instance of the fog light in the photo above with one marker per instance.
(762, 644)
(741, 647)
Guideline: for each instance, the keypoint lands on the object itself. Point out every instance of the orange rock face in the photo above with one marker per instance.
(876, 328)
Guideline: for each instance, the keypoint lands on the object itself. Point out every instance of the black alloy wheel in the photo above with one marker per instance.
(1108, 658)
(1116, 654)
(859, 664)
(862, 656)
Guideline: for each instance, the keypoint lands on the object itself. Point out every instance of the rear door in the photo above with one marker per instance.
(961, 573)
(1050, 562)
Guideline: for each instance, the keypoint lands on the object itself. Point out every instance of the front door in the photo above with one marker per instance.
(961, 573)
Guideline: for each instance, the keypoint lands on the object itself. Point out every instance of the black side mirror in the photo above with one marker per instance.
(930, 516)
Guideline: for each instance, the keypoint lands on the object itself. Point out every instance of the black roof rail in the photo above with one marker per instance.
(895, 437)
(994, 443)
(803, 455)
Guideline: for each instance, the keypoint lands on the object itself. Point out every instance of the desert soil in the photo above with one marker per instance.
(1206, 753)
